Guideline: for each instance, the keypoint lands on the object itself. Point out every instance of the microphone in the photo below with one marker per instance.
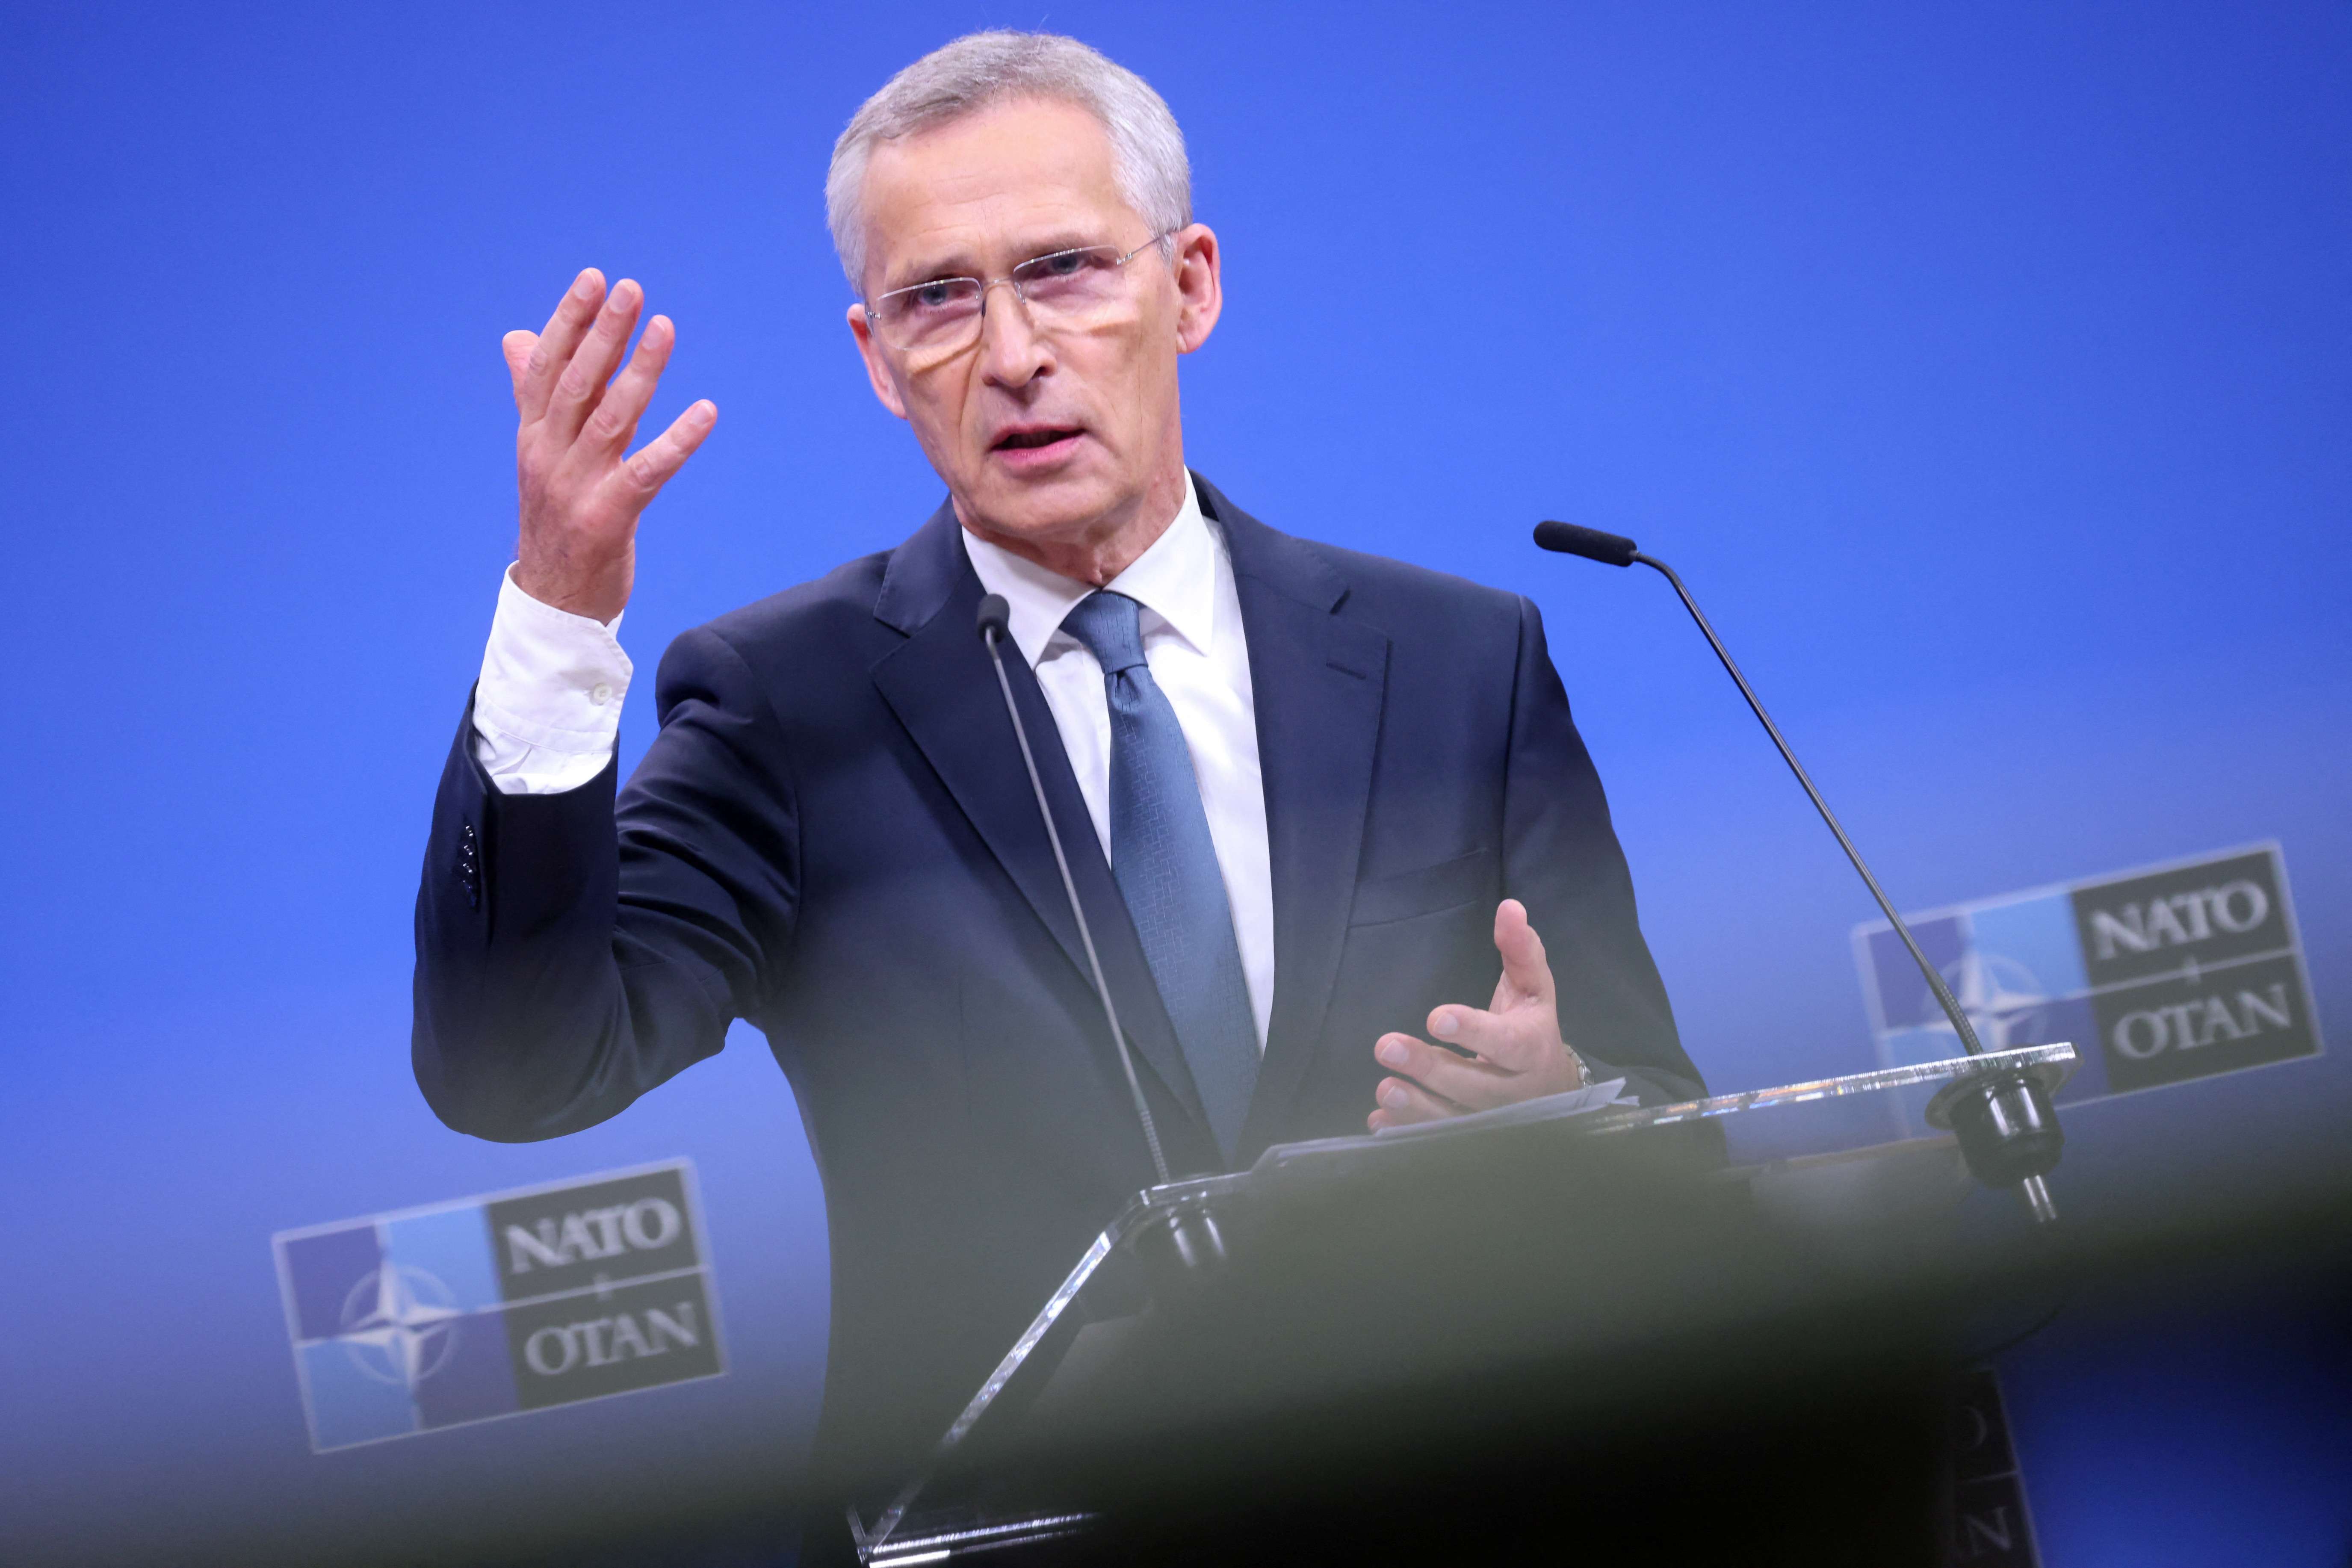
(1568, 538)
(995, 623)
(2006, 1124)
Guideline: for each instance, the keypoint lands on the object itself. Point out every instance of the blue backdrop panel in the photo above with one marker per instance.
(1982, 366)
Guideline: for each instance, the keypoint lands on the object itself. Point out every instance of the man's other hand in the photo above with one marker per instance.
(581, 496)
(1516, 1049)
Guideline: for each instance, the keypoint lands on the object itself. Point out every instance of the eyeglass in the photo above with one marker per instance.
(943, 314)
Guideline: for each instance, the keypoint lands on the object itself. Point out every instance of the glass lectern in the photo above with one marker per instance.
(1168, 1236)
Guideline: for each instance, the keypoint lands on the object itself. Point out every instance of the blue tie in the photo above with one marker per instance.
(1166, 867)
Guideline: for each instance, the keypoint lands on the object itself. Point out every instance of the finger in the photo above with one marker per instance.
(1403, 1103)
(1525, 966)
(615, 423)
(582, 385)
(516, 347)
(1476, 1085)
(1514, 1040)
(558, 338)
(660, 458)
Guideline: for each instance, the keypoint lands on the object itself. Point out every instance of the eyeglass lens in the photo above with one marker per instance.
(1066, 283)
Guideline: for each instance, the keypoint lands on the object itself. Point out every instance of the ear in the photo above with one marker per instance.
(1199, 287)
(877, 370)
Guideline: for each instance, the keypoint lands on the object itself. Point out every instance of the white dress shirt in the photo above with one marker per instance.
(549, 703)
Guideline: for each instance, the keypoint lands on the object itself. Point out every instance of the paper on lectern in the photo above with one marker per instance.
(1546, 1108)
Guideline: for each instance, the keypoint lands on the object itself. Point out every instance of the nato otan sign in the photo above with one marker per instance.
(2158, 975)
(464, 1311)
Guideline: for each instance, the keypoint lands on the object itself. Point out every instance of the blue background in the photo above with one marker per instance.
(1983, 366)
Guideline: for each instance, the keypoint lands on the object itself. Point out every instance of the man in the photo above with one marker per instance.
(1331, 797)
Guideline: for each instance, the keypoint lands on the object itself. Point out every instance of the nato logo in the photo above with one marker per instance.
(2177, 972)
(436, 1317)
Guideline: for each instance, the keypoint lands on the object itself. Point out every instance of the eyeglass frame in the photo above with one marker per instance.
(1011, 279)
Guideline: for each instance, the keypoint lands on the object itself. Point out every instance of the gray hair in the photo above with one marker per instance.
(981, 70)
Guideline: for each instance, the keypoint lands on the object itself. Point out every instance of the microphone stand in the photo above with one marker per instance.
(994, 615)
(1181, 1244)
(2006, 1124)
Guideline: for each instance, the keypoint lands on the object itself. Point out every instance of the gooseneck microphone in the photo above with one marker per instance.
(995, 618)
(2006, 1123)
(1615, 550)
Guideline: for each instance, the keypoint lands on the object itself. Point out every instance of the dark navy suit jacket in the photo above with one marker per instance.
(834, 837)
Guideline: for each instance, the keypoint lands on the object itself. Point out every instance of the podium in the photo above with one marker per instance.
(1582, 1285)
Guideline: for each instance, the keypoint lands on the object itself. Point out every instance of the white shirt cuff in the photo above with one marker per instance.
(547, 710)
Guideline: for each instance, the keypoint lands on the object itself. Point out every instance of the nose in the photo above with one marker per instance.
(1012, 353)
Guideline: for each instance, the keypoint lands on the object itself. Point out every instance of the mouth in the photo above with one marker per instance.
(1035, 437)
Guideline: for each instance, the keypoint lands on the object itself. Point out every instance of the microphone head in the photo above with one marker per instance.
(1568, 538)
(995, 615)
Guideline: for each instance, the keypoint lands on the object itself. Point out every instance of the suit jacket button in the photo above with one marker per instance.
(469, 866)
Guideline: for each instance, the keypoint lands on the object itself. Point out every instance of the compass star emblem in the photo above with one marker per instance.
(399, 1324)
(2002, 998)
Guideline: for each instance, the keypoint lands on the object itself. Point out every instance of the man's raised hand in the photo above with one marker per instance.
(1517, 1052)
(581, 490)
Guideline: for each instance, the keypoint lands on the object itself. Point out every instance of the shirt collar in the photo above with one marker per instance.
(1176, 579)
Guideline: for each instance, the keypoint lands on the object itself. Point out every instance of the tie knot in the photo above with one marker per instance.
(1111, 627)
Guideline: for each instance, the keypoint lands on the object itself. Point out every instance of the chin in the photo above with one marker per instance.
(1062, 506)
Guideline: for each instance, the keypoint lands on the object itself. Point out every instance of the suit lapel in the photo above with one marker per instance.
(942, 686)
(1318, 682)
